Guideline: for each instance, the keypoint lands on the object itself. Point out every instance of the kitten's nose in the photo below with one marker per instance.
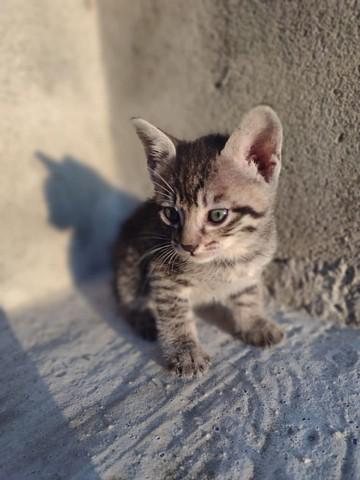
(189, 248)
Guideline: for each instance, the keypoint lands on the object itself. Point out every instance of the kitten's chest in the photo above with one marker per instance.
(218, 286)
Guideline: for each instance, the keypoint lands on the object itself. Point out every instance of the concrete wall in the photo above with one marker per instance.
(196, 66)
(71, 75)
(55, 145)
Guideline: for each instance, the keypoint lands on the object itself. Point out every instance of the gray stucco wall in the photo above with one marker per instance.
(197, 66)
(72, 73)
(56, 155)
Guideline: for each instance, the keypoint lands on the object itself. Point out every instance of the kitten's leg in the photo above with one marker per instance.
(134, 307)
(251, 326)
(142, 320)
(177, 332)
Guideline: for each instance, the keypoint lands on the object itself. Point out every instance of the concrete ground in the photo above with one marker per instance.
(83, 398)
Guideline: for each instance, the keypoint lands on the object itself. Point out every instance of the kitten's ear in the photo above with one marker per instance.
(257, 143)
(159, 147)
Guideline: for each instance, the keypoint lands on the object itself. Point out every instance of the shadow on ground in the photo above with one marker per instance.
(28, 444)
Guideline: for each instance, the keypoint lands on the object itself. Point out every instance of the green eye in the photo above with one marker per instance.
(172, 215)
(218, 215)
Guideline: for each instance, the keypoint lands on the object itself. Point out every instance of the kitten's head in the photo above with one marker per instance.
(214, 191)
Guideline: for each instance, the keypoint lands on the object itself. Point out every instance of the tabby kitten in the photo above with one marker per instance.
(205, 236)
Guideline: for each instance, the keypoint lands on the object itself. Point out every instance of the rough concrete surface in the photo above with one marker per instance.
(196, 66)
(86, 399)
(81, 397)
(53, 100)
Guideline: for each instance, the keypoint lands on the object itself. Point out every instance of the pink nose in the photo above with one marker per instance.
(189, 248)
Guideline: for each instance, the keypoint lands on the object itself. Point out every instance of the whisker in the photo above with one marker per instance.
(167, 258)
(163, 180)
(164, 254)
(172, 260)
(165, 196)
(152, 251)
(165, 190)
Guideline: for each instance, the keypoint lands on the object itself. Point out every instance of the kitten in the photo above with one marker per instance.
(205, 236)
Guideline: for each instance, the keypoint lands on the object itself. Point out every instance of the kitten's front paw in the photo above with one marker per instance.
(189, 362)
(263, 333)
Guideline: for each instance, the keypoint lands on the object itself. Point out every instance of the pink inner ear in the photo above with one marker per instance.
(261, 153)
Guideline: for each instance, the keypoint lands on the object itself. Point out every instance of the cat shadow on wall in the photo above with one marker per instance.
(80, 200)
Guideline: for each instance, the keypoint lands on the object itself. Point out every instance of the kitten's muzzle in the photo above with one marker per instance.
(189, 248)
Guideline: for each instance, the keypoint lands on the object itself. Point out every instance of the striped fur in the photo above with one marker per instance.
(163, 269)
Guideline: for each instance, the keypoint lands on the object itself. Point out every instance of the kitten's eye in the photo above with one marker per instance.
(172, 215)
(218, 215)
